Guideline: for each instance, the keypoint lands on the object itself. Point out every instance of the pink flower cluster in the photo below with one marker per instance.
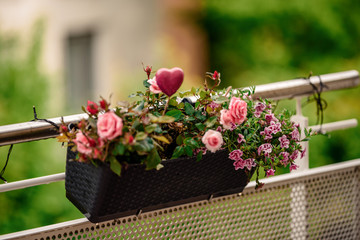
(235, 115)
(241, 163)
(274, 128)
(259, 108)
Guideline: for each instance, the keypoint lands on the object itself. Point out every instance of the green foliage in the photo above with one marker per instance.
(24, 85)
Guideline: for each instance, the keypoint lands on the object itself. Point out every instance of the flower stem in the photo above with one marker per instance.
(166, 105)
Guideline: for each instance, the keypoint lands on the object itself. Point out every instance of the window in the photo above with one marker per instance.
(79, 70)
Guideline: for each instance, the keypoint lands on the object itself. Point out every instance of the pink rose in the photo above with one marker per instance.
(238, 110)
(154, 88)
(226, 119)
(84, 144)
(109, 126)
(212, 140)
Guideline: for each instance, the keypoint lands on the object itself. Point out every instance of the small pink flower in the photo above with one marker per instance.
(303, 153)
(284, 142)
(266, 148)
(270, 172)
(214, 105)
(83, 144)
(238, 110)
(226, 119)
(295, 135)
(212, 140)
(109, 126)
(259, 108)
(285, 158)
(294, 155)
(92, 107)
(239, 164)
(271, 118)
(154, 88)
(241, 138)
(235, 155)
(293, 167)
(250, 163)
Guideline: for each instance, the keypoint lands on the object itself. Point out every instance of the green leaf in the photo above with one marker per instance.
(203, 94)
(211, 121)
(115, 166)
(193, 90)
(161, 138)
(140, 136)
(146, 84)
(200, 126)
(119, 149)
(173, 102)
(140, 106)
(191, 142)
(179, 150)
(189, 109)
(175, 114)
(153, 159)
(145, 145)
(188, 151)
(179, 140)
(199, 115)
(136, 124)
(165, 119)
(151, 128)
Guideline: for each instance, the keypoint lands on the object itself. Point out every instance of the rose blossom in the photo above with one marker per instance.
(235, 155)
(226, 119)
(212, 140)
(86, 144)
(92, 107)
(154, 88)
(238, 110)
(109, 126)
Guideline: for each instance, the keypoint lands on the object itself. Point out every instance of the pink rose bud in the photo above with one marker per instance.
(238, 110)
(212, 140)
(92, 107)
(109, 126)
(104, 104)
(216, 75)
(147, 69)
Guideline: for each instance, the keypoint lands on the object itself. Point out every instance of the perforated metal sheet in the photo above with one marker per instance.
(316, 206)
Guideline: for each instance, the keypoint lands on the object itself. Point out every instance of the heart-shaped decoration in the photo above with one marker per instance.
(169, 80)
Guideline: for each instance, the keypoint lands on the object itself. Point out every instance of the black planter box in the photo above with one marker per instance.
(102, 195)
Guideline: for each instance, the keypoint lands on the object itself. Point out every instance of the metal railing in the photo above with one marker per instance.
(296, 193)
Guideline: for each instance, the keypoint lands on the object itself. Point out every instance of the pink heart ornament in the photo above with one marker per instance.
(169, 80)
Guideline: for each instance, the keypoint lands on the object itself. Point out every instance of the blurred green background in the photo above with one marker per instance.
(249, 42)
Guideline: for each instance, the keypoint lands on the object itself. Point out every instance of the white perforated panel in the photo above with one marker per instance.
(318, 206)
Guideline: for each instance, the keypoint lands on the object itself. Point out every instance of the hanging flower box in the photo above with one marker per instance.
(116, 158)
(102, 195)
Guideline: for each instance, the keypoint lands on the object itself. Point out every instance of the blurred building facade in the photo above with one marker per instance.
(93, 48)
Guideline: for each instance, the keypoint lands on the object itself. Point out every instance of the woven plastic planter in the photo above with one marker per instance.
(101, 195)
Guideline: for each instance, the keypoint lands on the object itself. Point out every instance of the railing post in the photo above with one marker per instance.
(298, 191)
(304, 123)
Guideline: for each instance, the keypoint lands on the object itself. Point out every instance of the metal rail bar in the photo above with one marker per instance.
(5, 187)
(36, 130)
